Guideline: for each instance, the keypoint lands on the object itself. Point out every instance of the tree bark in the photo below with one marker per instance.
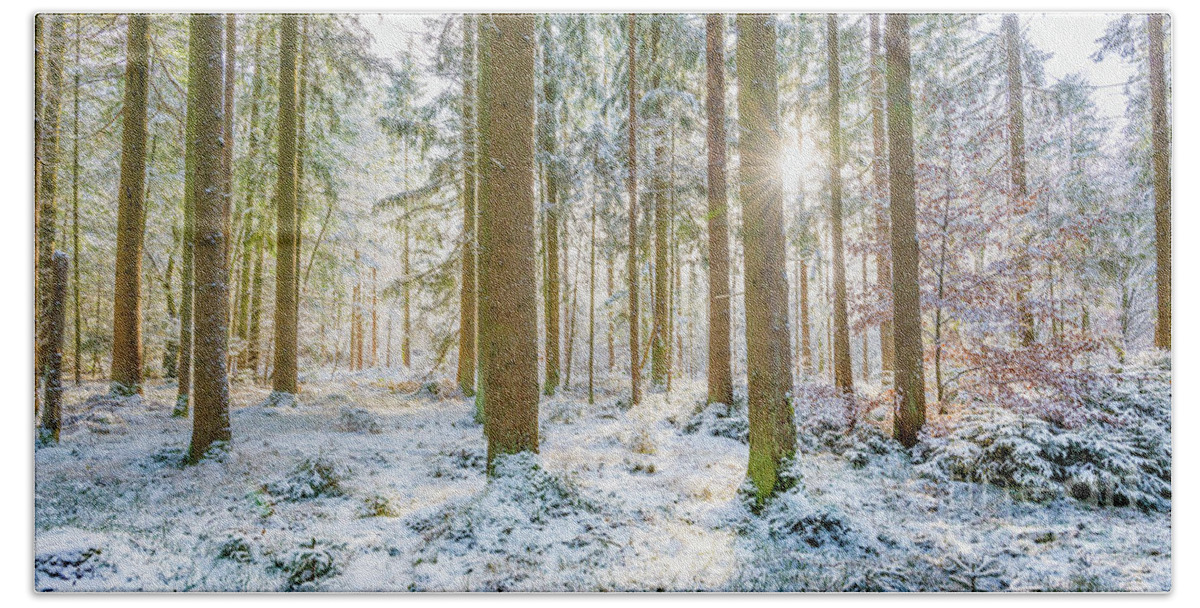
(507, 272)
(720, 379)
(210, 420)
(466, 333)
(1161, 156)
(186, 275)
(768, 344)
(77, 334)
(547, 127)
(906, 309)
(635, 367)
(52, 412)
(883, 266)
(805, 325)
(1019, 191)
(48, 185)
(843, 375)
(127, 285)
(284, 376)
(254, 225)
(660, 357)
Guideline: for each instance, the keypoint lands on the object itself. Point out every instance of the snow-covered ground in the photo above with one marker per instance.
(369, 485)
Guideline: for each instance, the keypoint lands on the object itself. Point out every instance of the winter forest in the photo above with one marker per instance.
(602, 302)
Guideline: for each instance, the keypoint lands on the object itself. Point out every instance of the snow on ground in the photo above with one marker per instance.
(370, 485)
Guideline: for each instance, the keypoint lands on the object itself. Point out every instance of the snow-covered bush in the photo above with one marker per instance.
(721, 420)
(71, 564)
(974, 573)
(459, 463)
(358, 420)
(1120, 455)
(997, 447)
(236, 549)
(311, 478)
(307, 566)
(526, 523)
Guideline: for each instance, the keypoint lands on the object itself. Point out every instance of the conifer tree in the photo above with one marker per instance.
(720, 383)
(127, 295)
(507, 272)
(283, 382)
(1161, 158)
(210, 418)
(768, 340)
(906, 294)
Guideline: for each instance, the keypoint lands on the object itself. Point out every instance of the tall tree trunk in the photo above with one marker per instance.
(843, 376)
(883, 267)
(720, 379)
(301, 155)
(284, 377)
(547, 127)
(1161, 156)
(906, 295)
(48, 186)
(51, 423)
(660, 358)
(38, 74)
(866, 332)
(768, 343)
(608, 314)
(170, 362)
(1018, 191)
(805, 325)
(466, 332)
(186, 277)
(507, 272)
(127, 295)
(592, 296)
(374, 319)
(254, 224)
(75, 280)
(230, 77)
(210, 420)
(635, 367)
(254, 333)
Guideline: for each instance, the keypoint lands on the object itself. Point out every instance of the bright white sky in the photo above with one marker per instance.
(1071, 37)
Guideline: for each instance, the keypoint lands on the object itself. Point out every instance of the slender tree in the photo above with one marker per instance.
(39, 68)
(805, 324)
(48, 186)
(1161, 155)
(51, 422)
(883, 267)
(720, 382)
(660, 351)
(187, 271)
(210, 420)
(253, 223)
(229, 77)
(635, 366)
(507, 272)
(906, 295)
(77, 313)
(283, 384)
(1018, 191)
(547, 144)
(843, 376)
(127, 294)
(466, 332)
(768, 343)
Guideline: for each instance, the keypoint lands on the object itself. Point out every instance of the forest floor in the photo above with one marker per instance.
(373, 484)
